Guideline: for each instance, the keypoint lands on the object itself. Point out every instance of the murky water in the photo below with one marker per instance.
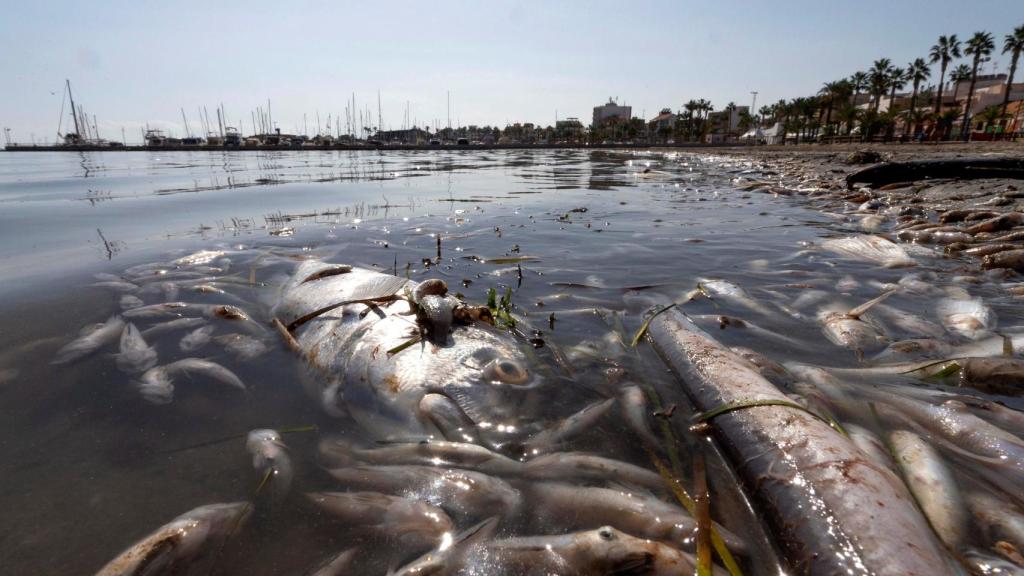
(586, 241)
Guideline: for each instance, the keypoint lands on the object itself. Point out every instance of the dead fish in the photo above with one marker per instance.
(1000, 520)
(136, 356)
(601, 551)
(340, 452)
(567, 428)
(933, 486)
(244, 347)
(157, 386)
(165, 309)
(465, 493)
(872, 223)
(196, 339)
(730, 292)
(178, 546)
(90, 342)
(913, 350)
(987, 564)
(566, 466)
(1001, 222)
(988, 249)
(585, 507)
(911, 325)
(450, 556)
(200, 257)
(845, 328)
(636, 414)
(873, 249)
(411, 522)
(270, 458)
(816, 495)
(997, 375)
(118, 286)
(723, 322)
(172, 325)
(1013, 259)
(870, 444)
(970, 318)
(128, 301)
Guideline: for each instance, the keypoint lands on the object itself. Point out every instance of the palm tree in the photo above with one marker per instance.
(832, 91)
(897, 80)
(946, 49)
(858, 81)
(765, 112)
(979, 47)
(878, 79)
(957, 76)
(1014, 44)
(917, 72)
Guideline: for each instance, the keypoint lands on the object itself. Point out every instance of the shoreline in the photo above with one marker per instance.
(981, 219)
(812, 148)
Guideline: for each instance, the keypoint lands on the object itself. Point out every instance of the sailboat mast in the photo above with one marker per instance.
(73, 112)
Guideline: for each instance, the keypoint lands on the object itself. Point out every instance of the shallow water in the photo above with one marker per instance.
(596, 238)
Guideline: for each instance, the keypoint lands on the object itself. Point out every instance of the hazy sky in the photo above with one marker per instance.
(142, 61)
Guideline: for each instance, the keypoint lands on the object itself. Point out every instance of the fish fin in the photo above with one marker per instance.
(856, 313)
(477, 533)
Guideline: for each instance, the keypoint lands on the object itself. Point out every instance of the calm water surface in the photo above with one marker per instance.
(89, 466)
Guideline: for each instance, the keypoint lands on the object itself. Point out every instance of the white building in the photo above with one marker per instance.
(611, 110)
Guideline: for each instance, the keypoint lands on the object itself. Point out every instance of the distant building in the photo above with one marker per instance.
(568, 129)
(666, 119)
(606, 112)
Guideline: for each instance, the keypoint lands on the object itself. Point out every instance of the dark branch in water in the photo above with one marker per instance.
(110, 253)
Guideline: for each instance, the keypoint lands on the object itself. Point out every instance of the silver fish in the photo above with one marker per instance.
(834, 509)
(157, 386)
(172, 325)
(969, 318)
(358, 366)
(1001, 520)
(873, 249)
(412, 523)
(581, 466)
(933, 486)
(270, 458)
(243, 346)
(177, 546)
(601, 551)
(196, 339)
(585, 507)
(129, 301)
(636, 413)
(464, 493)
(732, 293)
(119, 286)
(339, 452)
(90, 341)
(136, 356)
(567, 428)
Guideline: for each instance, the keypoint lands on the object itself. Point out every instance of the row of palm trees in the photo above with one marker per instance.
(836, 104)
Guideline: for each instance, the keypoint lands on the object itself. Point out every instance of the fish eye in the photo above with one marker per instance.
(606, 533)
(506, 371)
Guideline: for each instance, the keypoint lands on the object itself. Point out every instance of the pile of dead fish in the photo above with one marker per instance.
(442, 507)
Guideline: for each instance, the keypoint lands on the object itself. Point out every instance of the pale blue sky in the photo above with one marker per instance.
(137, 61)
